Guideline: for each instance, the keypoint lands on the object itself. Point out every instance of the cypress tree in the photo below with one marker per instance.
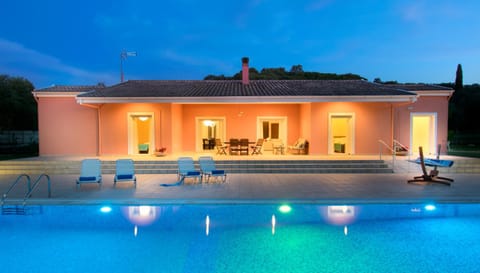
(459, 78)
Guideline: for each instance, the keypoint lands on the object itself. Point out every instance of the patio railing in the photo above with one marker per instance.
(397, 147)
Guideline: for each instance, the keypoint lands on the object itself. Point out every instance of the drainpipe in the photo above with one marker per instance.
(37, 99)
(99, 120)
(392, 112)
(392, 117)
(392, 121)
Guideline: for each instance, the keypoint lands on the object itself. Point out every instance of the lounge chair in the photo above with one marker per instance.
(208, 168)
(432, 177)
(124, 172)
(300, 147)
(257, 148)
(186, 169)
(221, 148)
(90, 172)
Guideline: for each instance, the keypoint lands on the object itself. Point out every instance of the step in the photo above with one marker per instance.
(230, 166)
(21, 210)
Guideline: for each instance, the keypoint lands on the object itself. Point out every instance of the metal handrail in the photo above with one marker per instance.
(4, 197)
(35, 184)
(386, 146)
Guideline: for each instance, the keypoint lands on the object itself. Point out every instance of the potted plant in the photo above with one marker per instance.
(161, 151)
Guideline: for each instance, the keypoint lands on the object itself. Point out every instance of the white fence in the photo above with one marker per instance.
(18, 138)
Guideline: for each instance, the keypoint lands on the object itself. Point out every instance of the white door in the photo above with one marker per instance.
(423, 130)
(141, 133)
(341, 134)
(208, 128)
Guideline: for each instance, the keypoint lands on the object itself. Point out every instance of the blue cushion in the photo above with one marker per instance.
(124, 176)
(143, 147)
(87, 178)
(218, 172)
(193, 173)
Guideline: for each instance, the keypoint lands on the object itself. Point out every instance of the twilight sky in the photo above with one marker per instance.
(79, 42)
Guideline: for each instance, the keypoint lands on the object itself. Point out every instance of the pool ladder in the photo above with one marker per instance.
(23, 209)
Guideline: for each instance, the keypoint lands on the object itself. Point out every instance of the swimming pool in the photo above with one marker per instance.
(243, 238)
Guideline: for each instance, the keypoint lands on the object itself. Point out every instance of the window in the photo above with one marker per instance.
(271, 129)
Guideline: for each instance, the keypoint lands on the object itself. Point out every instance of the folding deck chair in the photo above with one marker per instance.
(221, 148)
(257, 148)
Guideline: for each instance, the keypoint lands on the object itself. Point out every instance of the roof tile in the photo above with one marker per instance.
(257, 88)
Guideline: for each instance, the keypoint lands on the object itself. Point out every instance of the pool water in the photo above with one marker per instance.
(243, 238)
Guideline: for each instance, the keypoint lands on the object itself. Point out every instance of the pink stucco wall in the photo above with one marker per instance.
(241, 120)
(114, 126)
(424, 104)
(372, 122)
(66, 128)
(305, 130)
(176, 122)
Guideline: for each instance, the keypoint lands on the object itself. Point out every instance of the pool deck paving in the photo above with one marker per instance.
(257, 188)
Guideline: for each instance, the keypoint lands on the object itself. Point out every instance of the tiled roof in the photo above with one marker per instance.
(256, 88)
(419, 87)
(70, 88)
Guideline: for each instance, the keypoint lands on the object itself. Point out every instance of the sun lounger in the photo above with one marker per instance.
(186, 169)
(124, 172)
(208, 168)
(90, 172)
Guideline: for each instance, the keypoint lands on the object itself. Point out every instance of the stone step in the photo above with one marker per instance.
(230, 166)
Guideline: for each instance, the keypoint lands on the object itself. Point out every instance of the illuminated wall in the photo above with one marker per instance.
(437, 105)
(66, 128)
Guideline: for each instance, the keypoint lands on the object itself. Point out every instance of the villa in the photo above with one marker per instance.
(341, 117)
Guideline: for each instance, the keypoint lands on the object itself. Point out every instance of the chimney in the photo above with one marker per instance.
(245, 79)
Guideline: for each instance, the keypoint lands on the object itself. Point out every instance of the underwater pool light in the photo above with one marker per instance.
(105, 209)
(207, 225)
(274, 222)
(285, 209)
(430, 207)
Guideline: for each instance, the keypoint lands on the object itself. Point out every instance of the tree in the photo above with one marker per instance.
(459, 78)
(378, 80)
(458, 103)
(279, 73)
(296, 69)
(19, 109)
